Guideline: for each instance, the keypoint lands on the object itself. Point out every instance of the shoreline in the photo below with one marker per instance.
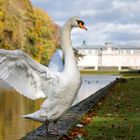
(70, 117)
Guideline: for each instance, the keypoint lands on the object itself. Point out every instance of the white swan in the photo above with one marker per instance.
(34, 80)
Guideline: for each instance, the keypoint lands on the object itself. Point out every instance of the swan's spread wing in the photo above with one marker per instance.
(27, 76)
(56, 63)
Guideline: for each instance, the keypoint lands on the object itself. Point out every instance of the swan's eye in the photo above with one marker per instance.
(80, 22)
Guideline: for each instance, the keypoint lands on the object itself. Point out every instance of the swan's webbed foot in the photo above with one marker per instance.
(55, 130)
(55, 126)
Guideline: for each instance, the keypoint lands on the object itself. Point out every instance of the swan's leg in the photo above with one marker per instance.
(47, 124)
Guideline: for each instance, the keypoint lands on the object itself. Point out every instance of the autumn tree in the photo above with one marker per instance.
(27, 28)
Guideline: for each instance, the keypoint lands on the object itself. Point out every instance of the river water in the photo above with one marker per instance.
(91, 84)
(13, 105)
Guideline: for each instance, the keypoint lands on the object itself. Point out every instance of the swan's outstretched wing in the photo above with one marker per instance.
(56, 63)
(27, 76)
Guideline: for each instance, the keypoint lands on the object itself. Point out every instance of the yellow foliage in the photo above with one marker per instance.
(27, 28)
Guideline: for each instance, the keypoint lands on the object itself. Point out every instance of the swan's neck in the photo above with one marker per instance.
(69, 58)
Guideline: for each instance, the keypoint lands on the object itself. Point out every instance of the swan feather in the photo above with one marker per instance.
(27, 76)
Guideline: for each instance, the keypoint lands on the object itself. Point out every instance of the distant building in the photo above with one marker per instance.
(109, 56)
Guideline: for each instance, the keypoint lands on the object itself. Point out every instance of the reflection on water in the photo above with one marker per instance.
(13, 105)
(91, 84)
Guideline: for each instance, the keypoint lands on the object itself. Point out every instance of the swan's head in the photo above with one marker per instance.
(76, 22)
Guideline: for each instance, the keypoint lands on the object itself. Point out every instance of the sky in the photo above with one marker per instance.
(116, 21)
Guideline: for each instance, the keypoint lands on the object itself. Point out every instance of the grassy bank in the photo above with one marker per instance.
(100, 72)
(117, 116)
(115, 72)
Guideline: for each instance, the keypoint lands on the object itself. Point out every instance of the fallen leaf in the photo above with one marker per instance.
(79, 125)
(99, 104)
(108, 114)
(86, 120)
(78, 131)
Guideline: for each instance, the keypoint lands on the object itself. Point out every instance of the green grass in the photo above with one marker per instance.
(111, 72)
(131, 74)
(118, 115)
(100, 72)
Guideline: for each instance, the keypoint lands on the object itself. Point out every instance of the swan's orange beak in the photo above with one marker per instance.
(82, 26)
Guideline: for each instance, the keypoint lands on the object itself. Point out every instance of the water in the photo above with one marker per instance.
(13, 105)
(91, 84)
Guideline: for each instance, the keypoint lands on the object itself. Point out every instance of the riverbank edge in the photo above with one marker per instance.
(70, 117)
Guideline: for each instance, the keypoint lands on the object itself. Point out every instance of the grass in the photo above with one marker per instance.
(131, 74)
(100, 72)
(117, 116)
(111, 72)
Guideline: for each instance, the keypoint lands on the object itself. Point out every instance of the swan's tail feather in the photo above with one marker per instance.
(35, 116)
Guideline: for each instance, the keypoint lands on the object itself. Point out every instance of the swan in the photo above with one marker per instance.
(34, 80)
